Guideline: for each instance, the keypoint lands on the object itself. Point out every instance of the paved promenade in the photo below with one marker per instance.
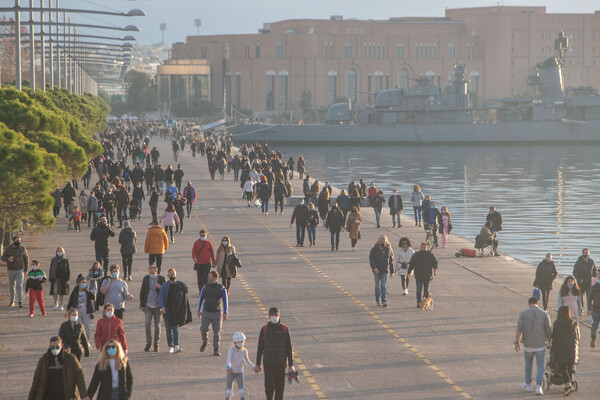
(346, 347)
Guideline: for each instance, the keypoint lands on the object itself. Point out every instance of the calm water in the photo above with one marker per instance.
(547, 194)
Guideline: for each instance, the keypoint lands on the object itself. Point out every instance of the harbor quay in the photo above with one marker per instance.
(345, 347)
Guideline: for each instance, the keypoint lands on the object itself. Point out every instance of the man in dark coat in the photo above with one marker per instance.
(494, 218)
(127, 240)
(149, 291)
(68, 194)
(175, 307)
(425, 265)
(396, 207)
(583, 271)
(300, 215)
(101, 235)
(334, 224)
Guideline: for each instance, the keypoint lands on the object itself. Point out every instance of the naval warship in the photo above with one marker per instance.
(425, 113)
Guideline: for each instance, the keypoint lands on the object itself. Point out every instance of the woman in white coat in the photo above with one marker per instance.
(401, 262)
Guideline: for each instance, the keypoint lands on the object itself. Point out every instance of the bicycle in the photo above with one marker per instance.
(430, 237)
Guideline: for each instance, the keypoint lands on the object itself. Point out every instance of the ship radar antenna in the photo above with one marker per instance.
(561, 45)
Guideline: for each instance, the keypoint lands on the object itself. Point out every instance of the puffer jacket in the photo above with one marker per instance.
(424, 264)
(545, 274)
(92, 203)
(565, 341)
(127, 239)
(101, 235)
(381, 258)
(156, 241)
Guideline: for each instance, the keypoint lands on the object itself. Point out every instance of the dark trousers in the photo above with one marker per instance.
(121, 215)
(154, 216)
(169, 229)
(102, 256)
(127, 263)
(202, 271)
(335, 239)
(405, 279)
(345, 212)
(545, 294)
(226, 282)
(155, 258)
(179, 227)
(92, 216)
(120, 313)
(274, 381)
(188, 206)
(278, 200)
(236, 174)
(422, 287)
(300, 231)
(56, 211)
(353, 242)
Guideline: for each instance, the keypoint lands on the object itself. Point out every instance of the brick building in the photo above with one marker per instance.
(267, 72)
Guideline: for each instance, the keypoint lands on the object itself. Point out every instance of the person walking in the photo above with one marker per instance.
(570, 295)
(101, 235)
(35, 285)
(593, 305)
(343, 202)
(236, 357)
(17, 260)
(83, 201)
(323, 203)
(311, 225)
(109, 327)
(300, 215)
(223, 264)
(416, 198)
(212, 309)
(156, 244)
(115, 291)
(402, 257)
(535, 331)
(204, 258)
(58, 375)
(170, 219)
(544, 278)
(378, 201)
(60, 277)
(139, 196)
(300, 167)
(149, 290)
(425, 265)
(82, 300)
(248, 190)
(353, 227)
(381, 260)
(279, 192)
(179, 205)
(583, 271)
(565, 346)
(264, 193)
(73, 336)
(189, 194)
(127, 239)
(495, 220)
(178, 177)
(396, 207)
(274, 351)
(92, 208)
(334, 224)
(123, 199)
(153, 203)
(112, 376)
(444, 225)
(175, 308)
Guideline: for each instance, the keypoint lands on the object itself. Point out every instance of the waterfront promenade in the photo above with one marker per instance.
(346, 346)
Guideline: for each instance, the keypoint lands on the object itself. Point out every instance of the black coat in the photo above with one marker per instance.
(300, 214)
(381, 258)
(177, 305)
(495, 219)
(101, 235)
(335, 220)
(145, 289)
(424, 264)
(127, 239)
(104, 379)
(545, 274)
(74, 338)
(565, 341)
(583, 272)
(395, 209)
(264, 191)
(74, 300)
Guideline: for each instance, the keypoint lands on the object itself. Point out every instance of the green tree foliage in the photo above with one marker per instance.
(305, 100)
(141, 92)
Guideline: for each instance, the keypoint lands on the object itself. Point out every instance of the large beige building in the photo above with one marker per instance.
(333, 59)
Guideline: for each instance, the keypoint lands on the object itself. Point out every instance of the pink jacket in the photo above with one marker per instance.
(169, 218)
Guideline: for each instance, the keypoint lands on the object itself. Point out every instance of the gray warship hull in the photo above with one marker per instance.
(501, 132)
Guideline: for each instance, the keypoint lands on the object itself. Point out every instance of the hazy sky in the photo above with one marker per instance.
(247, 16)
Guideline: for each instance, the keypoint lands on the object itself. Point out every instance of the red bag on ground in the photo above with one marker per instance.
(464, 252)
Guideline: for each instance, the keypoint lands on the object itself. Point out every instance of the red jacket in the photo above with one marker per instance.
(107, 329)
(203, 252)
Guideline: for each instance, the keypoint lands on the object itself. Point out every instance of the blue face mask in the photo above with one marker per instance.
(83, 285)
(152, 276)
(115, 275)
(111, 352)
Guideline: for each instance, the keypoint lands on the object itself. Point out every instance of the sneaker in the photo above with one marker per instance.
(593, 343)
(216, 353)
(404, 292)
(354, 249)
(203, 347)
(416, 224)
(385, 305)
(147, 348)
(332, 249)
(569, 390)
(156, 348)
(496, 254)
(30, 315)
(526, 387)
(400, 226)
(266, 213)
(61, 308)
(170, 350)
(378, 304)
(538, 390)
(177, 349)
(20, 305)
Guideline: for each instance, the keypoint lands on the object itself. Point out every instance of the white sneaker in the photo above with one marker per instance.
(62, 308)
(266, 213)
(177, 349)
(526, 387)
(538, 390)
(170, 350)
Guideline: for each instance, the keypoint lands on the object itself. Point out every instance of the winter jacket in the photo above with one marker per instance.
(402, 259)
(153, 203)
(156, 241)
(173, 297)
(534, 323)
(32, 280)
(335, 220)
(381, 258)
(138, 194)
(122, 197)
(59, 269)
(169, 218)
(264, 191)
(83, 200)
(74, 338)
(313, 217)
(145, 289)
(440, 223)
(127, 239)
(178, 175)
(274, 345)
(73, 379)
(101, 235)
(92, 203)
(20, 257)
(189, 193)
(416, 198)
(202, 252)
(159, 175)
(593, 301)
(545, 274)
(423, 263)
(583, 271)
(353, 225)
(104, 380)
(343, 202)
(74, 300)
(279, 191)
(300, 215)
(223, 268)
(495, 219)
(395, 204)
(565, 341)
(107, 329)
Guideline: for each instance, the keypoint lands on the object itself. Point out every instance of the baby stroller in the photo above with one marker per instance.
(134, 210)
(481, 243)
(552, 376)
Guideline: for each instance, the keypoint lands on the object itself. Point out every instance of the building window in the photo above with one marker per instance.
(351, 84)
(278, 50)
(331, 88)
(474, 83)
(203, 52)
(403, 78)
(328, 50)
(257, 50)
(270, 86)
(365, 50)
(238, 90)
(283, 84)
(417, 52)
(470, 51)
(347, 50)
(387, 81)
(434, 52)
(378, 84)
(228, 91)
(369, 86)
(451, 51)
(399, 51)
(247, 51)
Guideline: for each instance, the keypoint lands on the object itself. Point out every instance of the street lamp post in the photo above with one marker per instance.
(31, 48)
(43, 50)
(17, 45)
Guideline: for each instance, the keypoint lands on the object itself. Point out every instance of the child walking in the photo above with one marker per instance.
(77, 219)
(236, 357)
(35, 285)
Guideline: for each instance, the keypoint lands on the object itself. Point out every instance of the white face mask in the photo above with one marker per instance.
(74, 318)
(274, 319)
(59, 253)
(55, 351)
(109, 314)
(239, 345)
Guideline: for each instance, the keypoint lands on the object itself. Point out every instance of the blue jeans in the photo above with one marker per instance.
(422, 287)
(396, 219)
(539, 362)
(312, 233)
(300, 231)
(595, 320)
(265, 205)
(172, 332)
(102, 256)
(377, 214)
(381, 287)
(417, 211)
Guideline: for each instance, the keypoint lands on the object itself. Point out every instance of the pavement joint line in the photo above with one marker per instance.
(297, 360)
(359, 302)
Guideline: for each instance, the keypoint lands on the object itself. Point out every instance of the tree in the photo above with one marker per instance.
(305, 100)
(141, 92)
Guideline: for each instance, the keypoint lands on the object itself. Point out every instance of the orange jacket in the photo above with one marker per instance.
(156, 241)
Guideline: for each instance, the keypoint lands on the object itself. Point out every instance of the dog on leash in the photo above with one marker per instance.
(427, 303)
